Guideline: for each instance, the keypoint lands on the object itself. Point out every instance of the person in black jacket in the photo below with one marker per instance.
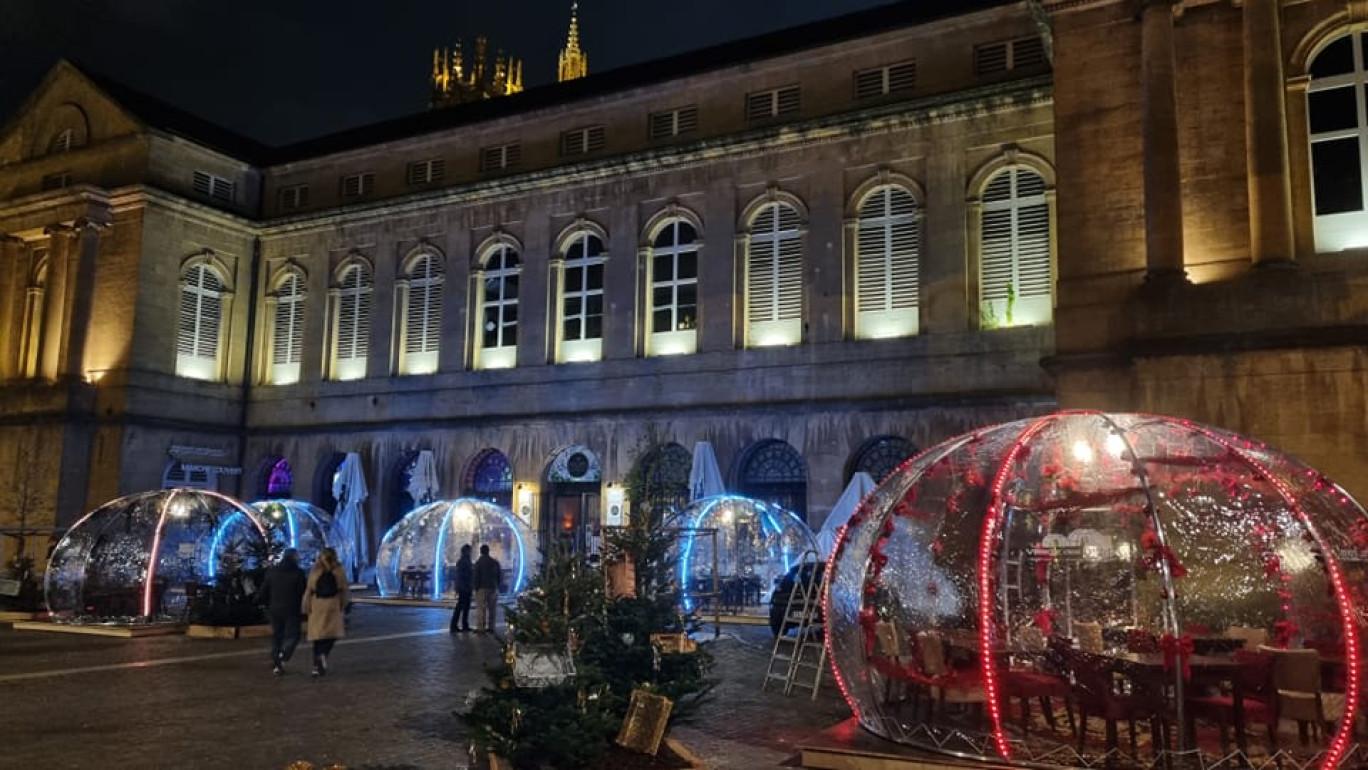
(486, 578)
(281, 592)
(460, 617)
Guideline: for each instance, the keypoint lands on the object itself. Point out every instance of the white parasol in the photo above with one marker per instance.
(349, 524)
(423, 485)
(861, 484)
(705, 479)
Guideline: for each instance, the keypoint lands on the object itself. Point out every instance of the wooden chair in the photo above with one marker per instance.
(1045, 681)
(1103, 690)
(890, 643)
(1089, 636)
(1258, 701)
(958, 686)
(1297, 678)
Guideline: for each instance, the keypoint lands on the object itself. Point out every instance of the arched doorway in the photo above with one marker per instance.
(663, 477)
(275, 479)
(323, 482)
(571, 518)
(400, 502)
(773, 471)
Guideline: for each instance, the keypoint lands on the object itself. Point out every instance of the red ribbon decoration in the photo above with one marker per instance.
(868, 619)
(1180, 648)
(1283, 631)
(1044, 620)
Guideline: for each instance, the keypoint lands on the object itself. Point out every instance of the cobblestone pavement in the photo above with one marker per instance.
(69, 701)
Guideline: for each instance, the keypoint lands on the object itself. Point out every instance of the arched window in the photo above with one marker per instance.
(275, 479)
(1016, 278)
(35, 303)
(352, 322)
(63, 141)
(674, 289)
(887, 264)
(499, 307)
(881, 456)
(774, 472)
(774, 277)
(582, 298)
(201, 321)
(489, 476)
(1336, 107)
(287, 334)
(663, 476)
(422, 316)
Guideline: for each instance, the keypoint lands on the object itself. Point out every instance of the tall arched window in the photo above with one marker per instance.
(489, 476)
(773, 471)
(674, 289)
(287, 334)
(887, 264)
(582, 298)
(201, 321)
(1016, 277)
(498, 335)
(35, 304)
(422, 315)
(352, 321)
(774, 277)
(880, 456)
(1339, 143)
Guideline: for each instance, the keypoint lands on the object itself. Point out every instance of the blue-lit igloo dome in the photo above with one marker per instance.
(1130, 572)
(135, 559)
(738, 548)
(296, 524)
(418, 556)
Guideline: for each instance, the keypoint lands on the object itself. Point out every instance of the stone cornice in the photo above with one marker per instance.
(125, 199)
(30, 205)
(961, 105)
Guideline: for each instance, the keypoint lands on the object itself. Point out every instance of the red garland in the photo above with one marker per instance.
(1149, 540)
(868, 619)
(1180, 648)
(1044, 620)
(1042, 566)
(1283, 631)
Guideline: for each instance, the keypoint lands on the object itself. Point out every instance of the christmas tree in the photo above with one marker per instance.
(575, 651)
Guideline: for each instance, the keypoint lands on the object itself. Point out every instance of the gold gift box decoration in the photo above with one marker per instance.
(674, 644)
(644, 727)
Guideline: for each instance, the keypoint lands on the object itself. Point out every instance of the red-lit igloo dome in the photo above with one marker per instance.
(1146, 582)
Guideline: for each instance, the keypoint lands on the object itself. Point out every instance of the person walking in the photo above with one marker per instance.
(325, 601)
(486, 578)
(460, 617)
(282, 594)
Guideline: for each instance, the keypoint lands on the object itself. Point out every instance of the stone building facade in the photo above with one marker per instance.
(818, 250)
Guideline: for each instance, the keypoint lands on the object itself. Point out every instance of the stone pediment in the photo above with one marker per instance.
(67, 111)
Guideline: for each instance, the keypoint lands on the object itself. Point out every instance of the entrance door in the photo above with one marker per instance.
(573, 521)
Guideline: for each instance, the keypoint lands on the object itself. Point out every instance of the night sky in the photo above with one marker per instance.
(284, 70)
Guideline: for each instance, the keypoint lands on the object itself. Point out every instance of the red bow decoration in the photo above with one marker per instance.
(1283, 631)
(1042, 566)
(868, 619)
(1149, 540)
(1180, 648)
(1044, 620)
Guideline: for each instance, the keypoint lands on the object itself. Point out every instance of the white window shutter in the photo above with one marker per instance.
(888, 264)
(774, 276)
(201, 310)
(1016, 280)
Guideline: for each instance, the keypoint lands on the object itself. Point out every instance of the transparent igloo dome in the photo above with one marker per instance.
(737, 547)
(296, 524)
(135, 559)
(418, 555)
(1004, 585)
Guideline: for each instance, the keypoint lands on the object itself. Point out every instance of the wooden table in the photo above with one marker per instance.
(1207, 670)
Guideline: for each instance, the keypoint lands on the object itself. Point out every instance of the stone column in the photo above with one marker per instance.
(12, 283)
(82, 291)
(1159, 126)
(1270, 190)
(55, 334)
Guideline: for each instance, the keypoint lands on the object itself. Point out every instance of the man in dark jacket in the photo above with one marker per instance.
(487, 575)
(282, 593)
(460, 618)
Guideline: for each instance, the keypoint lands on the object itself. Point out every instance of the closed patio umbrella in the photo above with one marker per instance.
(349, 524)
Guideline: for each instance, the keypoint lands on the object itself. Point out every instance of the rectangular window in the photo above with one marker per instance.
(582, 141)
(1008, 55)
(294, 197)
(882, 81)
(663, 125)
(763, 105)
(213, 187)
(357, 185)
(57, 181)
(503, 157)
(426, 171)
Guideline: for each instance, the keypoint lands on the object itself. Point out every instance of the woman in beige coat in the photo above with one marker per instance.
(326, 597)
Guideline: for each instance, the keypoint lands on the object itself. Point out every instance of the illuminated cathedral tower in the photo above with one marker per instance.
(573, 62)
(454, 83)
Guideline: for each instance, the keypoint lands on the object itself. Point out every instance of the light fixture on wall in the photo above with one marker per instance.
(614, 514)
(526, 501)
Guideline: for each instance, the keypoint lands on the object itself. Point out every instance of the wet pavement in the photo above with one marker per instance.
(74, 701)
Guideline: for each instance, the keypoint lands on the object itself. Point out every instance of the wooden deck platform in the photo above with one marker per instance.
(129, 631)
(847, 746)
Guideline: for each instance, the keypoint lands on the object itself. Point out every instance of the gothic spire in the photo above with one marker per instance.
(574, 63)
